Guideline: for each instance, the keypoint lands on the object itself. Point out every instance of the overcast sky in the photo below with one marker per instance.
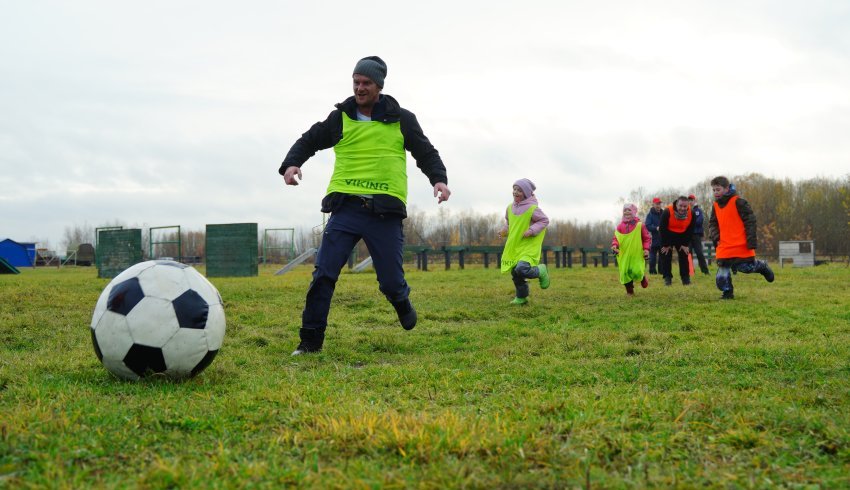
(179, 113)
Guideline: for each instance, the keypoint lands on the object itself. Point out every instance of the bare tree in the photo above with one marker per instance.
(76, 235)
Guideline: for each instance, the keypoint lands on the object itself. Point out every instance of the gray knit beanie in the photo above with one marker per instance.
(372, 67)
(526, 186)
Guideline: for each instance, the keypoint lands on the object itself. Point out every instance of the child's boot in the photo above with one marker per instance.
(644, 283)
(630, 289)
(519, 301)
(765, 270)
(544, 276)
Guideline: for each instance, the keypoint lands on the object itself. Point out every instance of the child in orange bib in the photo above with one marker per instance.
(732, 228)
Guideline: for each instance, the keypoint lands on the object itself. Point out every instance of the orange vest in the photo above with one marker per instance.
(677, 225)
(733, 236)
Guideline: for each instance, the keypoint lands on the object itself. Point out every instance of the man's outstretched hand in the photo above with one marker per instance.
(441, 192)
(289, 175)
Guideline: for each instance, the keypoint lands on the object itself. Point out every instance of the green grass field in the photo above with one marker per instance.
(582, 388)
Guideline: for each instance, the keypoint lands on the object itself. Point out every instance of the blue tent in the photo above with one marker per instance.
(17, 254)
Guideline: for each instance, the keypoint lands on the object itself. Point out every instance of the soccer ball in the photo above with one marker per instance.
(158, 316)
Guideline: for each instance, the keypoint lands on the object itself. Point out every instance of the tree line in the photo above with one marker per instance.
(815, 209)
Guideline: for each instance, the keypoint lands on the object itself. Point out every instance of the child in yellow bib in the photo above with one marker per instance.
(525, 229)
(631, 246)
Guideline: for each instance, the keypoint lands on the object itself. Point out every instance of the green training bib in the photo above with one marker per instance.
(630, 261)
(519, 248)
(370, 159)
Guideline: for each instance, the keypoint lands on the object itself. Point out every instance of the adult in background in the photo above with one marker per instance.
(696, 238)
(677, 227)
(367, 194)
(652, 222)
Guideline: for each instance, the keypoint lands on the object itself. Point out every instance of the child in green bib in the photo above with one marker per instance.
(525, 229)
(631, 246)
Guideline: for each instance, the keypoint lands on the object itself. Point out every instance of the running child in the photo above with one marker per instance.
(732, 228)
(525, 229)
(631, 246)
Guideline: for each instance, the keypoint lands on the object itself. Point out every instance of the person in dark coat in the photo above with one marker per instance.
(367, 195)
(652, 221)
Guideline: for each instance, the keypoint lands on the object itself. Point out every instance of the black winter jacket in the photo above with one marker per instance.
(327, 133)
(652, 222)
(699, 217)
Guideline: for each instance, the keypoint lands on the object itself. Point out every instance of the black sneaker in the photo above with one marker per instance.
(668, 281)
(768, 273)
(727, 295)
(306, 348)
(406, 314)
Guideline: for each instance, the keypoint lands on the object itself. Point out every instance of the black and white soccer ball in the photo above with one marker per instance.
(158, 316)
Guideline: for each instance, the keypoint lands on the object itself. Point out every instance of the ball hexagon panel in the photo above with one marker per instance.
(112, 334)
(118, 368)
(185, 351)
(133, 271)
(171, 263)
(203, 286)
(124, 296)
(215, 327)
(191, 310)
(152, 322)
(111, 338)
(100, 307)
(163, 281)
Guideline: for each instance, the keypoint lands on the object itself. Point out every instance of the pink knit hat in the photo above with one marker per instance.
(526, 186)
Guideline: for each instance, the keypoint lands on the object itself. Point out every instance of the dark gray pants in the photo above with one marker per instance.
(384, 238)
(521, 272)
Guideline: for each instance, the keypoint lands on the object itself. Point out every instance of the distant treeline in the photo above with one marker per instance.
(816, 209)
